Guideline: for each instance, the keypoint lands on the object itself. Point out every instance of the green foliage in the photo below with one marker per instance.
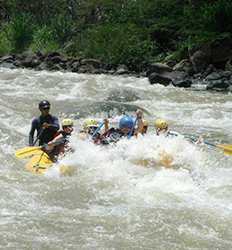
(118, 32)
(5, 44)
(118, 44)
(19, 32)
(44, 40)
(63, 28)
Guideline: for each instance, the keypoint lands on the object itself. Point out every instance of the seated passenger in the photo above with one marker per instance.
(126, 128)
(60, 144)
(161, 127)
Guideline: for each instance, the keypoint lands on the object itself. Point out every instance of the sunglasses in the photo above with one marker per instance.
(67, 126)
(45, 108)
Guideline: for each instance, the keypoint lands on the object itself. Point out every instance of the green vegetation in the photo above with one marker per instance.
(131, 32)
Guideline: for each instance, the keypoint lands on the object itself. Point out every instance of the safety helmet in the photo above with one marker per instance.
(44, 104)
(161, 124)
(126, 122)
(89, 123)
(67, 122)
(145, 123)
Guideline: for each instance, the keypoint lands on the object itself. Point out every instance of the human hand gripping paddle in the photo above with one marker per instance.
(32, 150)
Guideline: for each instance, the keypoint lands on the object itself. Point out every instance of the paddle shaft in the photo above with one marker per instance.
(38, 136)
(97, 129)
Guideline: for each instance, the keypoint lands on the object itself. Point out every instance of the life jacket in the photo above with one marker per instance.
(60, 148)
(112, 135)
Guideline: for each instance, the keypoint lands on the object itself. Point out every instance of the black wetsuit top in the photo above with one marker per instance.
(48, 133)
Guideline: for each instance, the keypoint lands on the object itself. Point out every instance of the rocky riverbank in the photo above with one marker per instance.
(209, 66)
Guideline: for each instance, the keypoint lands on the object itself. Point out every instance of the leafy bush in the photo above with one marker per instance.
(44, 40)
(116, 44)
(63, 28)
(5, 44)
(19, 32)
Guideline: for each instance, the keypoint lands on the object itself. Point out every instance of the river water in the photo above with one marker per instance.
(111, 201)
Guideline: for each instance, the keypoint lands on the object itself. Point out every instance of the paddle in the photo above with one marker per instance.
(27, 151)
(38, 136)
(132, 129)
(31, 150)
(227, 148)
(97, 129)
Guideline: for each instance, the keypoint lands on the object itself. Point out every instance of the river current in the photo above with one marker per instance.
(111, 201)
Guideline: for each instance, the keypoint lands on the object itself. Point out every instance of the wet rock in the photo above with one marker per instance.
(93, 62)
(86, 69)
(228, 65)
(122, 70)
(7, 59)
(158, 68)
(199, 60)
(30, 61)
(213, 76)
(156, 78)
(73, 65)
(185, 66)
(9, 65)
(42, 66)
(183, 83)
(218, 85)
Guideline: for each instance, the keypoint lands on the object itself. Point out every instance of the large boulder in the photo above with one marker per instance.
(200, 60)
(158, 68)
(217, 53)
(218, 85)
(156, 78)
(219, 81)
(185, 83)
(185, 66)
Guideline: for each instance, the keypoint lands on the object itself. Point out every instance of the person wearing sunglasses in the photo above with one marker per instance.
(46, 125)
(60, 144)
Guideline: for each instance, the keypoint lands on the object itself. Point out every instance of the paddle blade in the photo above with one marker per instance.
(26, 152)
(226, 147)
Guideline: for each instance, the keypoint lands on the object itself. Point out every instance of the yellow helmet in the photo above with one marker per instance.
(145, 123)
(89, 123)
(161, 124)
(67, 122)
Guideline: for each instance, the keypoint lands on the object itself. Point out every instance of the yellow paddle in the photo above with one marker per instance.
(27, 151)
(227, 148)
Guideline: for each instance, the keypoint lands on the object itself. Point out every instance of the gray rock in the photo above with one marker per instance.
(213, 76)
(86, 69)
(7, 59)
(158, 68)
(9, 65)
(93, 62)
(218, 85)
(184, 65)
(183, 83)
(122, 70)
(199, 60)
(156, 78)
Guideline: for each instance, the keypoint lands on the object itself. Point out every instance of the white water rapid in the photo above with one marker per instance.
(111, 201)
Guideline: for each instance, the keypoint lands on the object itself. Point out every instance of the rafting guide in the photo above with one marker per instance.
(46, 125)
